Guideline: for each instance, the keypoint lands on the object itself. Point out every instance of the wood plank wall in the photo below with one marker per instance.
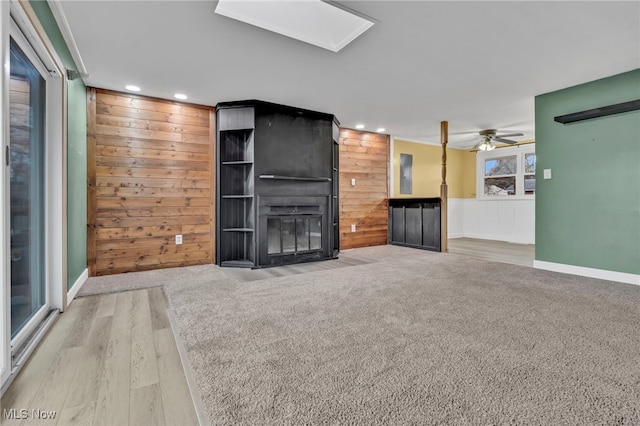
(364, 157)
(150, 177)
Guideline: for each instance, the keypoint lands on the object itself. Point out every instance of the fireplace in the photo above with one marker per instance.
(292, 230)
(294, 234)
(277, 185)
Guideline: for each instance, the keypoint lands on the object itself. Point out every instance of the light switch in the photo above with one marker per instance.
(353, 182)
(179, 239)
(547, 173)
(353, 228)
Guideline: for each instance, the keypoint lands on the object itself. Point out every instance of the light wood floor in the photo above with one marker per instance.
(496, 251)
(108, 360)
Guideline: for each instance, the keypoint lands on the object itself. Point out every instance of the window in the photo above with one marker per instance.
(507, 173)
(530, 173)
(500, 175)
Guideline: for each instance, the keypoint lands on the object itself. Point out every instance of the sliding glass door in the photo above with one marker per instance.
(26, 157)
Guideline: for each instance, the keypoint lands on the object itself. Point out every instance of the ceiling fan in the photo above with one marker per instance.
(490, 135)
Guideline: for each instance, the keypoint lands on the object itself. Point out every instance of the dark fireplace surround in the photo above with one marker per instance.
(277, 185)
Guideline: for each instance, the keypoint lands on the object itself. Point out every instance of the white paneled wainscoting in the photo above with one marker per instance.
(502, 220)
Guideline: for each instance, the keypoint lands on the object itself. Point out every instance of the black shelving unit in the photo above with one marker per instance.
(235, 245)
(335, 201)
(275, 165)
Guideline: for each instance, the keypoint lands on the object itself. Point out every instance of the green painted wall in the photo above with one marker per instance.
(76, 151)
(588, 214)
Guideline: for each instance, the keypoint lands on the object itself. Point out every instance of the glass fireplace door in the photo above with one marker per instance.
(291, 235)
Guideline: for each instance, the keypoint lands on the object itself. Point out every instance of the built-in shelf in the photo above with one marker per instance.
(236, 221)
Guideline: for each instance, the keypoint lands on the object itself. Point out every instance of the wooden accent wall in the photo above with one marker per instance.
(150, 177)
(364, 157)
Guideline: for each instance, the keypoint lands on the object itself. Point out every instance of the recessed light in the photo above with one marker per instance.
(132, 88)
(180, 96)
(359, 126)
(380, 130)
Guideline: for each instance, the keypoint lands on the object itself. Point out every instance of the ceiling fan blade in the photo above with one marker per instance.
(511, 134)
(474, 132)
(499, 139)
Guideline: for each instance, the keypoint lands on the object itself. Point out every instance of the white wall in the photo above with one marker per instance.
(5, 276)
(455, 217)
(502, 220)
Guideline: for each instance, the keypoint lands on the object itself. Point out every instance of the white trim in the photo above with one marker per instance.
(30, 27)
(28, 350)
(75, 288)
(601, 274)
(26, 19)
(5, 290)
(56, 151)
(65, 29)
(496, 238)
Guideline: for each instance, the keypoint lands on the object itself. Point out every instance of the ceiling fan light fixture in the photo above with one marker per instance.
(486, 145)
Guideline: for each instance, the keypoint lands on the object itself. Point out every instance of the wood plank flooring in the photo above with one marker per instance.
(108, 360)
(495, 251)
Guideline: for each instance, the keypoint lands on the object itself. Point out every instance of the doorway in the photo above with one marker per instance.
(27, 100)
(32, 182)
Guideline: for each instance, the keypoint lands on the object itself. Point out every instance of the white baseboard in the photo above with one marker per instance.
(602, 274)
(456, 235)
(75, 288)
(495, 238)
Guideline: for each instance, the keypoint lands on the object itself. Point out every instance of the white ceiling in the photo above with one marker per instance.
(475, 64)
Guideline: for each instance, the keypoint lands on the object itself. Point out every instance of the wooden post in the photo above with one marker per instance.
(444, 138)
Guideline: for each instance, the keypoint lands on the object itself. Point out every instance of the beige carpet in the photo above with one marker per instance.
(412, 337)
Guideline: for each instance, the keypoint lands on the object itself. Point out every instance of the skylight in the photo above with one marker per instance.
(312, 21)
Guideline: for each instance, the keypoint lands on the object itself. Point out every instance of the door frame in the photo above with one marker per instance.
(28, 24)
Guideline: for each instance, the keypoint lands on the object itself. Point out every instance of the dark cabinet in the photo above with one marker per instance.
(415, 222)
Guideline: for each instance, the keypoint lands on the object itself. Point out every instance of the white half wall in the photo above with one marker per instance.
(455, 217)
(502, 220)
